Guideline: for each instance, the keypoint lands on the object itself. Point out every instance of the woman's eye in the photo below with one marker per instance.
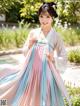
(45, 16)
(41, 16)
(48, 16)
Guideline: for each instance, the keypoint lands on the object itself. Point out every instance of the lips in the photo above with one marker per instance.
(44, 23)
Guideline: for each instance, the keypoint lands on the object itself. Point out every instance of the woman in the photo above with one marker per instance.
(38, 81)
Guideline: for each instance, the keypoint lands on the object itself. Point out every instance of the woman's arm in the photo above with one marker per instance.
(61, 59)
(29, 42)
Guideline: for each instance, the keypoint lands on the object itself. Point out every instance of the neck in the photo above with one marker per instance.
(46, 30)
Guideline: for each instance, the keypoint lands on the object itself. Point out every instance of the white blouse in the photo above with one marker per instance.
(55, 41)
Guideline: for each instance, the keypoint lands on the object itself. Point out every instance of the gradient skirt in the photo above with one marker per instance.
(36, 82)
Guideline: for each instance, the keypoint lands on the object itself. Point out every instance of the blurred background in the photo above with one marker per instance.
(18, 17)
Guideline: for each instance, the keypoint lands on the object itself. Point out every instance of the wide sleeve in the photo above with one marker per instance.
(26, 44)
(61, 58)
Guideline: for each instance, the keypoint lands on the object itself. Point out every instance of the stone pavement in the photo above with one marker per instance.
(71, 76)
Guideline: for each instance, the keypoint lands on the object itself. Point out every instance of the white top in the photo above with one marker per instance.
(55, 41)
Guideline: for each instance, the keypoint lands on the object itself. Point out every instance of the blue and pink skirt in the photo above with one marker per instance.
(36, 82)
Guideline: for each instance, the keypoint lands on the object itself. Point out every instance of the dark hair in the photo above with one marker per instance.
(49, 8)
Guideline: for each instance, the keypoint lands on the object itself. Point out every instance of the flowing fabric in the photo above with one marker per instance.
(36, 82)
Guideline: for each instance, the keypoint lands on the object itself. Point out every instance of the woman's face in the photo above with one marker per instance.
(45, 20)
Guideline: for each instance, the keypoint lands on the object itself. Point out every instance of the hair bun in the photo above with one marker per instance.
(51, 4)
(50, 7)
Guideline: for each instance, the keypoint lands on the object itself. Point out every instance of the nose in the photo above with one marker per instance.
(44, 21)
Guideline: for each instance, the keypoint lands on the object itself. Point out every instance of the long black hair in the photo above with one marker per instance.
(48, 6)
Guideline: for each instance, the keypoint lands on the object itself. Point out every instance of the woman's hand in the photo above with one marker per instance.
(50, 56)
(32, 41)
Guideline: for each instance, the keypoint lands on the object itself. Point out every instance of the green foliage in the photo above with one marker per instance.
(6, 4)
(69, 11)
(12, 38)
(76, 101)
(6, 38)
(71, 36)
(73, 90)
(13, 14)
(74, 95)
(74, 56)
(20, 36)
(29, 11)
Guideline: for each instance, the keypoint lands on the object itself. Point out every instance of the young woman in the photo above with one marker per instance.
(38, 81)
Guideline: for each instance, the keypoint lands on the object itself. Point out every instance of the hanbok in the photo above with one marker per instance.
(37, 81)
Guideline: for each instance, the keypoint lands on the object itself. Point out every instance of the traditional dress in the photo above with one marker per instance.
(37, 81)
